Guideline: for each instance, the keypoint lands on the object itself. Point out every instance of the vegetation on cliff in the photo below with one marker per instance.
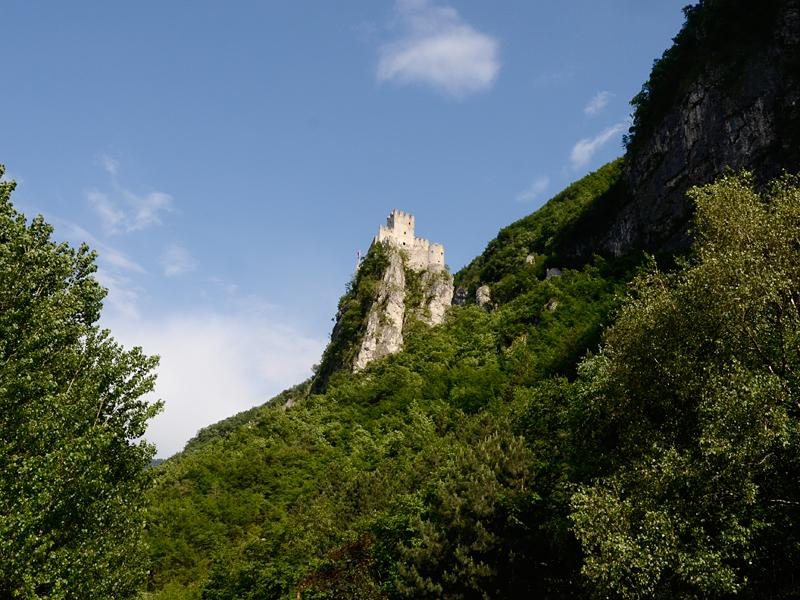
(351, 317)
(625, 427)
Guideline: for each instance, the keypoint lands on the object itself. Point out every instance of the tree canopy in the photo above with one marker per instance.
(693, 406)
(73, 468)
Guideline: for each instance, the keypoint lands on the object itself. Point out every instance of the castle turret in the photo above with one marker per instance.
(420, 253)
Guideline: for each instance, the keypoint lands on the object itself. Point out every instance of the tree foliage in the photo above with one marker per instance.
(693, 406)
(71, 412)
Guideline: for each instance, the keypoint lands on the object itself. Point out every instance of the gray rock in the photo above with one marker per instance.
(460, 296)
(483, 297)
(553, 272)
(437, 296)
(384, 334)
(742, 114)
(384, 331)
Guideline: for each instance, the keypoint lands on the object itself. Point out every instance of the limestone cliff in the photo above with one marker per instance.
(726, 95)
(402, 278)
(415, 285)
(384, 332)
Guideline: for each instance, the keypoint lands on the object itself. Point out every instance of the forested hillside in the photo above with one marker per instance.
(267, 507)
(623, 421)
(477, 463)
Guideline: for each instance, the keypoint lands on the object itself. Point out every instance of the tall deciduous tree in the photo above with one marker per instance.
(693, 406)
(72, 466)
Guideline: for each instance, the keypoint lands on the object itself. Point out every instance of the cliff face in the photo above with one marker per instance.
(402, 278)
(384, 332)
(395, 303)
(737, 106)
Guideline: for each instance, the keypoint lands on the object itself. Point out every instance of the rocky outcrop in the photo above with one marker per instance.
(393, 307)
(460, 296)
(394, 303)
(738, 108)
(483, 297)
(437, 296)
(402, 278)
(553, 272)
(384, 332)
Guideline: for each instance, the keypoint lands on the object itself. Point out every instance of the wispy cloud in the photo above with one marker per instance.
(110, 165)
(123, 297)
(596, 105)
(107, 255)
(115, 269)
(440, 50)
(534, 190)
(123, 211)
(584, 149)
(176, 260)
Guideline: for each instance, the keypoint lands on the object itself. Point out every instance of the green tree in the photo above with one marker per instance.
(689, 414)
(72, 467)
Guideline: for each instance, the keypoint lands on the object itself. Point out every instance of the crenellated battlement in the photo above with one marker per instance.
(399, 231)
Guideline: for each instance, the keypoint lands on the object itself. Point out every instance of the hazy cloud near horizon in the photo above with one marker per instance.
(214, 365)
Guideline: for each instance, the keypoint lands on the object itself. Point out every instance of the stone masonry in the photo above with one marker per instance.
(399, 231)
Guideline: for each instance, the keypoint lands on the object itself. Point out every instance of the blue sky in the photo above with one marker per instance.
(228, 160)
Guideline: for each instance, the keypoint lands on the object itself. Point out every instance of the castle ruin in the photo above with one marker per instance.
(399, 232)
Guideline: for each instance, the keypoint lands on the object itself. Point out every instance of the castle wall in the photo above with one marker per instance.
(399, 231)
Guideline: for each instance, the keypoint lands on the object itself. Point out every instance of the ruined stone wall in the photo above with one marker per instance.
(399, 232)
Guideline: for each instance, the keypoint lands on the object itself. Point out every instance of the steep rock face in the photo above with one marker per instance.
(384, 332)
(437, 296)
(393, 307)
(402, 278)
(740, 110)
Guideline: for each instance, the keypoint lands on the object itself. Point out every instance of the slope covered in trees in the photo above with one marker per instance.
(474, 464)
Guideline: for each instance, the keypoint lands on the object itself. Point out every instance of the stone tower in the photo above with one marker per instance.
(384, 328)
(399, 232)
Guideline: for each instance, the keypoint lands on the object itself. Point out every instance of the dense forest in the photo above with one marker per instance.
(614, 426)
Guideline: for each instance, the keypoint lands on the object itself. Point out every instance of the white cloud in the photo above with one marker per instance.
(439, 49)
(536, 189)
(596, 105)
(215, 365)
(176, 260)
(146, 210)
(123, 211)
(114, 269)
(128, 212)
(110, 165)
(106, 254)
(584, 149)
(111, 216)
(123, 295)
